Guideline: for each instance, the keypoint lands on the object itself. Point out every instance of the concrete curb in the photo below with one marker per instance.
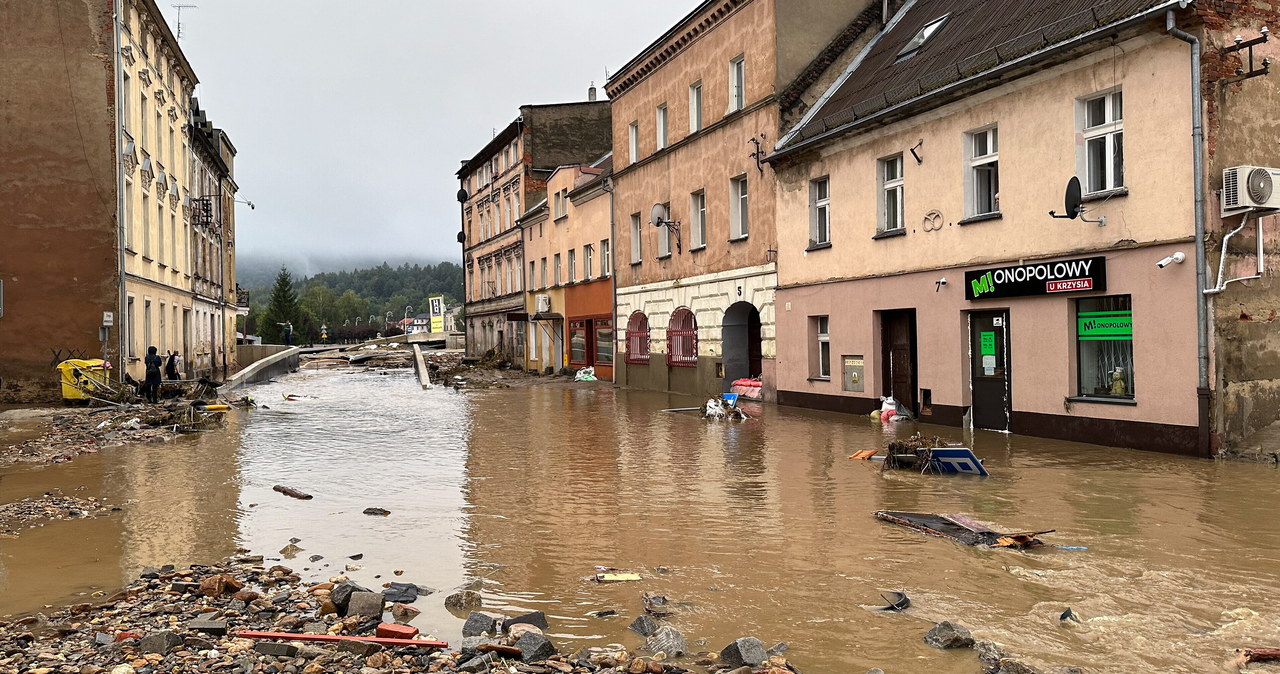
(420, 367)
(262, 370)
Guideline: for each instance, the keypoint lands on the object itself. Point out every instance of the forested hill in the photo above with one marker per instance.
(381, 284)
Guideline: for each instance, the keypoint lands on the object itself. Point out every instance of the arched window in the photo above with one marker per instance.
(682, 339)
(638, 339)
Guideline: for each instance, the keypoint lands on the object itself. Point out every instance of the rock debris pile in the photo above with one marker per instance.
(51, 506)
(196, 620)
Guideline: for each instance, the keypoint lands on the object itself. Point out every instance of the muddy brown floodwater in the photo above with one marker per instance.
(762, 528)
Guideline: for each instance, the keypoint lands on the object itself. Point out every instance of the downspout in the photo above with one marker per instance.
(613, 277)
(1203, 392)
(122, 329)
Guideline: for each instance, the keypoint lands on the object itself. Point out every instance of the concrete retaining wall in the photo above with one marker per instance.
(282, 360)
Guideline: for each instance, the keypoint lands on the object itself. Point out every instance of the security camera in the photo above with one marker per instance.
(1176, 257)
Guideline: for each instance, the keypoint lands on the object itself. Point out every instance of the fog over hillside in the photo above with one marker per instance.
(259, 270)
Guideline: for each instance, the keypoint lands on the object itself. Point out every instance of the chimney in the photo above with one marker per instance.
(591, 92)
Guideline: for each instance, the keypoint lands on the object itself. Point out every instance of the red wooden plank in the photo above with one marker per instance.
(334, 638)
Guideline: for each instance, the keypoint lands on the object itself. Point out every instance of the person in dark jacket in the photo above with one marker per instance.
(151, 385)
(171, 366)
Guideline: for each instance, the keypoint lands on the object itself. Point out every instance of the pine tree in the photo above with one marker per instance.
(282, 308)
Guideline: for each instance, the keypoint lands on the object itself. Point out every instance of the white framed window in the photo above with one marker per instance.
(739, 221)
(636, 231)
(544, 272)
(633, 142)
(556, 264)
(126, 96)
(695, 106)
(533, 275)
(146, 226)
(606, 261)
(982, 176)
(1102, 129)
(588, 252)
(561, 204)
(142, 123)
(819, 212)
(664, 235)
(737, 83)
(891, 182)
(573, 265)
(661, 123)
(131, 325)
(698, 219)
(820, 361)
(128, 214)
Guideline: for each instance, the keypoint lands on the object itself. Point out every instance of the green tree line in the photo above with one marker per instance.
(353, 304)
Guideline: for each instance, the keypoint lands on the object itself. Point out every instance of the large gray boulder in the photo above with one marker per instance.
(947, 634)
(667, 640)
(745, 651)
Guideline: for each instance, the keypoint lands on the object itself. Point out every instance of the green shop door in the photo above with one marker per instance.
(989, 357)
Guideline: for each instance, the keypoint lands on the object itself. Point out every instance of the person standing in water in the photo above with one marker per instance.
(151, 385)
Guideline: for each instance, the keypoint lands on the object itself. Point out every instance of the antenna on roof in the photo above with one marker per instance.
(179, 19)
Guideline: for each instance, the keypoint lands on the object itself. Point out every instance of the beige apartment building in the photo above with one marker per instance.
(569, 293)
(216, 298)
(694, 115)
(99, 249)
(919, 258)
(507, 175)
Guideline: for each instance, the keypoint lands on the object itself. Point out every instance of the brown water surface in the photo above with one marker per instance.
(760, 528)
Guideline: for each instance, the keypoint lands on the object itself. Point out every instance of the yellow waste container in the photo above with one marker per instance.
(80, 378)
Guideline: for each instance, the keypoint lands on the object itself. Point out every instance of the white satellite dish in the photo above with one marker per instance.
(658, 215)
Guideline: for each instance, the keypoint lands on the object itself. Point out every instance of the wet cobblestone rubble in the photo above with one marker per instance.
(188, 620)
(73, 432)
(37, 511)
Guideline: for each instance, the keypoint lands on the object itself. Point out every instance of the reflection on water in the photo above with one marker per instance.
(760, 528)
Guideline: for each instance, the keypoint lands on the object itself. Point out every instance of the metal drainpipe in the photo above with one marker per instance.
(1202, 303)
(122, 329)
(613, 277)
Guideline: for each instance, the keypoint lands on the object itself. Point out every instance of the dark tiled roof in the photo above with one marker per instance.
(979, 36)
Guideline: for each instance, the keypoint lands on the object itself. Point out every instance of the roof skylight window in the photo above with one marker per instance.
(918, 42)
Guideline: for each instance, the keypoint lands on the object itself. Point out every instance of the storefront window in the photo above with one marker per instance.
(577, 342)
(604, 341)
(1104, 346)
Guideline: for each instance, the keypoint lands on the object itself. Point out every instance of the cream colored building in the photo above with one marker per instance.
(156, 85)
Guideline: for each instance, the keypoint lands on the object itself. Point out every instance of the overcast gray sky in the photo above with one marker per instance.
(350, 118)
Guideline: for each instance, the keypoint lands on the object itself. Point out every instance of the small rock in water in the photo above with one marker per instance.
(603, 614)
(356, 557)
(403, 593)
(295, 540)
(464, 600)
(643, 625)
(398, 572)
(354, 567)
(947, 634)
(479, 624)
(1069, 614)
(534, 647)
(536, 618)
(315, 558)
(779, 648)
(290, 551)
(745, 651)
(404, 613)
(667, 640)
(382, 512)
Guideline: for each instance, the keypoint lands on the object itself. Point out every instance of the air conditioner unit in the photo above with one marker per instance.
(542, 303)
(1250, 187)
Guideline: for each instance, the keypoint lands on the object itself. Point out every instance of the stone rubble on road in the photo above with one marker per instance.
(187, 620)
(51, 506)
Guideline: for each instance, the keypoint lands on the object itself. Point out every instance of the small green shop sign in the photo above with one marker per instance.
(988, 343)
(1105, 326)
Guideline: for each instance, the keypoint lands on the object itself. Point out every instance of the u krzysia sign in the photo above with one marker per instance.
(1041, 278)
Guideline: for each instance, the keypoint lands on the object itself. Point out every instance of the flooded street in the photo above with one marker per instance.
(762, 528)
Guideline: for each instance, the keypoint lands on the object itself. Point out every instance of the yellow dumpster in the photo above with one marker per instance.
(81, 378)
